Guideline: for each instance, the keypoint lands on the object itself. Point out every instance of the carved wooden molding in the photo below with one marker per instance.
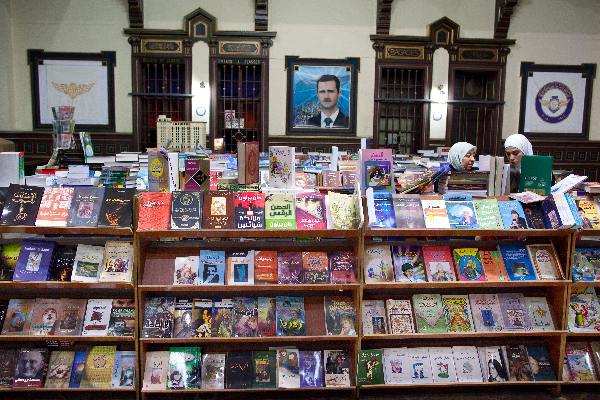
(384, 16)
(504, 10)
(261, 15)
(136, 13)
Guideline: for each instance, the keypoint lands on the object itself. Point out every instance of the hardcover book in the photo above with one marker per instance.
(310, 211)
(45, 317)
(59, 369)
(513, 216)
(197, 175)
(211, 269)
(396, 366)
(340, 316)
(539, 314)
(249, 210)
(55, 207)
(32, 364)
(184, 318)
(289, 267)
(213, 371)
(97, 317)
(515, 316)
(468, 264)
(88, 262)
(248, 156)
(290, 316)
(442, 365)
(536, 174)
(265, 369)
(315, 266)
(517, 262)
(217, 211)
(184, 368)
(265, 267)
(99, 366)
(429, 313)
(487, 213)
(458, 313)
(370, 368)
(34, 261)
(154, 211)
(461, 215)
(21, 205)
(158, 317)
(438, 264)
(280, 211)
(122, 318)
(267, 315)
(124, 371)
(487, 315)
(408, 211)
(493, 364)
(18, 317)
(240, 267)
(116, 210)
(519, 368)
(408, 263)
(534, 214)
(541, 367)
(8, 260)
(63, 261)
(288, 368)
(8, 363)
(400, 316)
(545, 261)
(245, 320)
(373, 317)
(117, 265)
(466, 362)
(493, 266)
(78, 368)
(222, 316)
(311, 368)
(419, 364)
(337, 368)
(281, 167)
(186, 270)
(203, 310)
(186, 210)
(342, 267)
(381, 210)
(435, 213)
(155, 371)
(579, 363)
(378, 264)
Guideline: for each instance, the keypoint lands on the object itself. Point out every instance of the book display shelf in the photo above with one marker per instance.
(230, 339)
(59, 338)
(452, 333)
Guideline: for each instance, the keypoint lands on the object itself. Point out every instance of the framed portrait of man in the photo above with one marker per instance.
(556, 100)
(321, 96)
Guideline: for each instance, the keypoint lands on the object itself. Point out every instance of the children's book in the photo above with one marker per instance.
(419, 364)
(580, 366)
(487, 315)
(442, 365)
(429, 313)
(438, 264)
(583, 269)
(396, 368)
(458, 313)
(466, 362)
(517, 262)
(378, 264)
(408, 263)
(290, 316)
(468, 264)
(399, 316)
(584, 313)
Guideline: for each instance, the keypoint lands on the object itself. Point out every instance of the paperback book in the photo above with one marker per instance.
(396, 366)
(222, 316)
(122, 318)
(21, 205)
(513, 216)
(186, 270)
(458, 313)
(97, 317)
(488, 215)
(545, 261)
(340, 316)
(337, 368)
(186, 210)
(438, 264)
(342, 267)
(59, 369)
(370, 368)
(55, 206)
(408, 263)
(435, 213)
(310, 211)
(280, 211)
(124, 371)
(265, 369)
(373, 317)
(486, 312)
(515, 316)
(117, 265)
(158, 317)
(267, 316)
(400, 316)
(408, 211)
(116, 208)
(429, 313)
(184, 368)
(468, 264)
(240, 268)
(517, 262)
(289, 266)
(245, 319)
(539, 314)
(70, 320)
(315, 266)
(155, 371)
(288, 368)
(211, 269)
(18, 317)
(34, 261)
(381, 210)
(85, 207)
(249, 210)
(290, 316)
(88, 262)
(265, 267)
(461, 215)
(378, 264)
(217, 210)
(213, 371)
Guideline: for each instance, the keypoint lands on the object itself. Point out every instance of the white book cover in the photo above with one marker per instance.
(564, 211)
(213, 371)
(419, 365)
(396, 366)
(539, 314)
(486, 312)
(118, 262)
(466, 362)
(493, 364)
(378, 264)
(544, 260)
(155, 371)
(436, 214)
(97, 317)
(288, 368)
(282, 167)
(442, 364)
(400, 317)
(186, 270)
(173, 163)
(373, 317)
(88, 263)
(240, 268)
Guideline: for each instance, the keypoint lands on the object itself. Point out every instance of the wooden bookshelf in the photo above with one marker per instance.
(67, 231)
(73, 339)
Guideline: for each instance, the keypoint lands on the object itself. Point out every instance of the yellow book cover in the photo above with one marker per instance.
(99, 367)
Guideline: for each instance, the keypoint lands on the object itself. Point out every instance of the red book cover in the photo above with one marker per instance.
(438, 264)
(289, 266)
(55, 206)
(342, 267)
(310, 211)
(249, 210)
(248, 162)
(154, 211)
(217, 212)
(265, 267)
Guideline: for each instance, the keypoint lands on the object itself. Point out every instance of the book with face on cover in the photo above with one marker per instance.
(539, 360)
(545, 261)
(59, 369)
(122, 318)
(442, 364)
(519, 368)
(85, 207)
(429, 313)
(513, 216)
(337, 368)
(515, 316)
(55, 206)
(458, 313)
(158, 317)
(222, 316)
(310, 211)
(249, 210)
(45, 317)
(486, 312)
(493, 364)
(290, 316)
(213, 371)
(155, 371)
(400, 316)
(18, 317)
(408, 263)
(186, 210)
(438, 264)
(378, 264)
(468, 264)
(240, 267)
(88, 263)
(373, 317)
(34, 261)
(124, 371)
(340, 316)
(534, 214)
(466, 362)
(590, 215)
(217, 210)
(117, 265)
(288, 368)
(245, 321)
(184, 368)
(461, 215)
(32, 365)
(203, 310)
(211, 269)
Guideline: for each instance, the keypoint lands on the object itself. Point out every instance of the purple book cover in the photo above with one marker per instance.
(514, 311)
(289, 267)
(311, 369)
(34, 261)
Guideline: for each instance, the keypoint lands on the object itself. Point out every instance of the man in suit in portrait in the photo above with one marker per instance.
(328, 92)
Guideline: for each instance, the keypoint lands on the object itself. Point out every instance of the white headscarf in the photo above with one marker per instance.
(456, 154)
(520, 142)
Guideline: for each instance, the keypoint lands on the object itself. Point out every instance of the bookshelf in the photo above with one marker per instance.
(68, 236)
(156, 252)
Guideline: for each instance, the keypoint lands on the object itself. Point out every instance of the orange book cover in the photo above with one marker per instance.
(265, 267)
(154, 211)
(55, 206)
(493, 265)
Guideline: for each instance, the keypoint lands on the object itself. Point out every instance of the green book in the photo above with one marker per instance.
(536, 174)
(429, 313)
(370, 367)
(184, 368)
(488, 215)
(280, 211)
(265, 369)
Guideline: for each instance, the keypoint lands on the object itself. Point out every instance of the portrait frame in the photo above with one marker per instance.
(556, 100)
(93, 97)
(301, 97)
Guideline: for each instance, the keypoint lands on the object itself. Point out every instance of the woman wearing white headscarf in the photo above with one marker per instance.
(461, 157)
(516, 146)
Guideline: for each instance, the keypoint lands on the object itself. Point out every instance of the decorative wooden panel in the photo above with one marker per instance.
(384, 16)
(317, 143)
(261, 15)
(504, 10)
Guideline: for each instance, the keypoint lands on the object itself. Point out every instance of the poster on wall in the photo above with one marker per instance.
(81, 80)
(556, 100)
(321, 96)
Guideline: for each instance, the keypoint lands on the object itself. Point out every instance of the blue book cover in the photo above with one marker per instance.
(513, 216)
(34, 261)
(384, 211)
(78, 368)
(583, 264)
(290, 316)
(574, 210)
(408, 263)
(212, 267)
(539, 357)
(550, 213)
(517, 262)
(461, 215)
(311, 368)
(378, 175)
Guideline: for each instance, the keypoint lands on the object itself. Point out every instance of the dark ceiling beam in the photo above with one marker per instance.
(261, 15)
(504, 10)
(384, 16)
(136, 13)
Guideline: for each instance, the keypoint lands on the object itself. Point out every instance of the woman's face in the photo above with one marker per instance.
(514, 155)
(468, 160)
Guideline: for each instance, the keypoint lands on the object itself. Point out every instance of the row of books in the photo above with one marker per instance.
(586, 264)
(584, 310)
(166, 317)
(97, 367)
(247, 210)
(582, 362)
(67, 206)
(410, 263)
(215, 267)
(187, 368)
(435, 313)
(558, 210)
(68, 317)
(454, 364)
(39, 260)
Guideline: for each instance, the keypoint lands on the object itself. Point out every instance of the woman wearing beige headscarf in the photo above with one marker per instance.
(461, 157)
(516, 146)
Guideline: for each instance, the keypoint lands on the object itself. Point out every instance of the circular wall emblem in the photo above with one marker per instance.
(554, 102)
